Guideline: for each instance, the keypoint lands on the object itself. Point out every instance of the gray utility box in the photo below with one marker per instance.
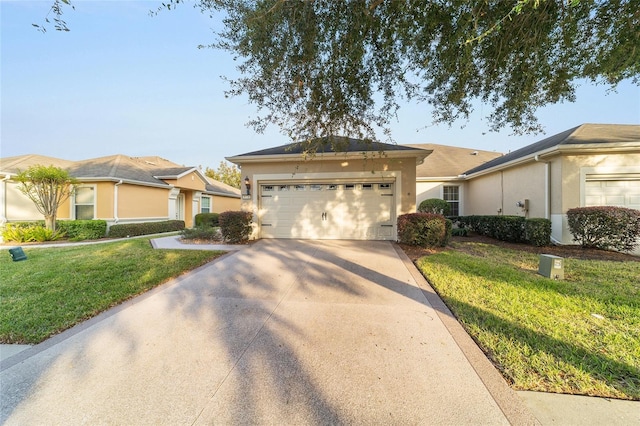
(551, 266)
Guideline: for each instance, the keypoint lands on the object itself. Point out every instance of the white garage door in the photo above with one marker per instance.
(621, 193)
(360, 211)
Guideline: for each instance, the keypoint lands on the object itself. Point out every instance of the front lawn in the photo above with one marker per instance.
(576, 336)
(56, 288)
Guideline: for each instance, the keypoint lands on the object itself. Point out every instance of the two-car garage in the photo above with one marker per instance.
(327, 210)
(356, 193)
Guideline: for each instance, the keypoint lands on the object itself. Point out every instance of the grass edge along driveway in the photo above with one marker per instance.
(59, 287)
(579, 336)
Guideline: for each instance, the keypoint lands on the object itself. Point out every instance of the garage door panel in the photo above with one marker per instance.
(621, 193)
(328, 211)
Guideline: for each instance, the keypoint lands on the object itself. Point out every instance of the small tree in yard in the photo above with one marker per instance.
(48, 187)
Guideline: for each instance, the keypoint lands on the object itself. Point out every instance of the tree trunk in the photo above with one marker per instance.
(50, 222)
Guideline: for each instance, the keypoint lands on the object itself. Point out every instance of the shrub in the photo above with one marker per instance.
(605, 227)
(424, 229)
(145, 228)
(78, 230)
(435, 206)
(537, 231)
(201, 233)
(235, 226)
(29, 232)
(508, 228)
(207, 219)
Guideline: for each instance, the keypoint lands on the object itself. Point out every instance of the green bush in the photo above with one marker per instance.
(29, 232)
(145, 228)
(514, 229)
(509, 228)
(435, 206)
(424, 229)
(78, 230)
(605, 227)
(235, 226)
(207, 219)
(537, 231)
(201, 233)
(459, 232)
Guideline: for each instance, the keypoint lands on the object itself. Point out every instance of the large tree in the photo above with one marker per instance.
(328, 67)
(48, 187)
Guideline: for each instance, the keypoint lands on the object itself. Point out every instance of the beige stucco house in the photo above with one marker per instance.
(355, 193)
(441, 173)
(588, 165)
(121, 189)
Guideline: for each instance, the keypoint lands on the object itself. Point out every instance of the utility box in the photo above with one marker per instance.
(551, 266)
(17, 254)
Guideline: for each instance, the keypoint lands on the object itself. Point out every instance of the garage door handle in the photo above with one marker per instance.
(324, 215)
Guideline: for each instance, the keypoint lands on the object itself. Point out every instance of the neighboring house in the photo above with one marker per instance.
(440, 175)
(588, 165)
(120, 189)
(355, 193)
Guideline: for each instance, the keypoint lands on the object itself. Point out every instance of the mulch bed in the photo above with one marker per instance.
(566, 251)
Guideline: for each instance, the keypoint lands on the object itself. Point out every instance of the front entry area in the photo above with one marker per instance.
(327, 210)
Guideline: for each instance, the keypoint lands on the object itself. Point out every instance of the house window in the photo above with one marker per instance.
(84, 202)
(451, 194)
(205, 205)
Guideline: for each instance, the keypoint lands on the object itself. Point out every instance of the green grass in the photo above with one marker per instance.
(56, 288)
(542, 333)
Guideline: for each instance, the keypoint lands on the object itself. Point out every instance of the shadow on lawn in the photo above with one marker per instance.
(624, 379)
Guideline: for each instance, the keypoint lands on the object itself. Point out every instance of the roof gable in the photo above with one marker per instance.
(591, 135)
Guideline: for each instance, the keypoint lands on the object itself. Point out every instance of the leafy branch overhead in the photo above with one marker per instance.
(325, 67)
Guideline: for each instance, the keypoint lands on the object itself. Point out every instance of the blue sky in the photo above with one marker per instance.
(123, 82)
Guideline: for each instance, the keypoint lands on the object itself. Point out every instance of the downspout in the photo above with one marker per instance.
(116, 219)
(3, 199)
(547, 192)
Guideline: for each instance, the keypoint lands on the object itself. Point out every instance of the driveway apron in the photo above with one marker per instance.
(282, 332)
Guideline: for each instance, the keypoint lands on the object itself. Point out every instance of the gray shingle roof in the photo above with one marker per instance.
(141, 170)
(585, 134)
(215, 187)
(450, 161)
(329, 145)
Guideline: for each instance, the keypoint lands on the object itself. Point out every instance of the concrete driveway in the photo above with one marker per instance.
(281, 332)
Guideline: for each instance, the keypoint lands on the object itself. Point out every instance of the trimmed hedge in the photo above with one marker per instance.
(514, 229)
(78, 230)
(145, 228)
(537, 231)
(605, 227)
(235, 226)
(435, 206)
(424, 229)
(201, 233)
(207, 219)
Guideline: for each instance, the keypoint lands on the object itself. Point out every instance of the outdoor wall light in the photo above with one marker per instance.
(247, 184)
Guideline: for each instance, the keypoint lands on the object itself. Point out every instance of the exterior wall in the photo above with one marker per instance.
(499, 192)
(141, 202)
(402, 170)
(484, 195)
(20, 208)
(104, 200)
(427, 190)
(224, 204)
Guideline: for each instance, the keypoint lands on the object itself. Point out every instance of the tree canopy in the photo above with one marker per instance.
(48, 187)
(226, 173)
(317, 68)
